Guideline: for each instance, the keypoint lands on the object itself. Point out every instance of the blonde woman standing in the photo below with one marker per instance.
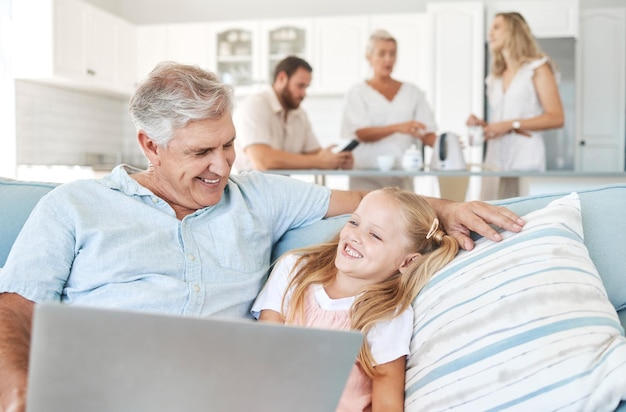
(384, 114)
(523, 100)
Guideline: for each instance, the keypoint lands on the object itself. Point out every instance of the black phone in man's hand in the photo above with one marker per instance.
(350, 146)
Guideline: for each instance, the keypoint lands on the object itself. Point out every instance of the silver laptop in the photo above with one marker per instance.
(84, 359)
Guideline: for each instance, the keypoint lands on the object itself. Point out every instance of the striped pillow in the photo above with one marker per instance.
(523, 324)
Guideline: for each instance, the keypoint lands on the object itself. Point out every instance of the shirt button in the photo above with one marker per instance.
(196, 288)
(191, 257)
(155, 200)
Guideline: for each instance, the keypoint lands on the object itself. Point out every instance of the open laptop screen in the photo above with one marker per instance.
(86, 359)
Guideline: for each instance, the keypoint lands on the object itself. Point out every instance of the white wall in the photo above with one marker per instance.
(325, 114)
(62, 126)
(57, 126)
(7, 103)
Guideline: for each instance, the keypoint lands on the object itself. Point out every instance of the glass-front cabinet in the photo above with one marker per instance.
(235, 49)
(282, 38)
(245, 53)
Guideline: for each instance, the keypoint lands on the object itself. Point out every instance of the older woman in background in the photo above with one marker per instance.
(384, 114)
(523, 100)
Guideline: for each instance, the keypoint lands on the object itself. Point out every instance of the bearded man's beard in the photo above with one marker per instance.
(290, 102)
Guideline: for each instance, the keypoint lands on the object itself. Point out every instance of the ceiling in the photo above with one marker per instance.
(179, 11)
(186, 11)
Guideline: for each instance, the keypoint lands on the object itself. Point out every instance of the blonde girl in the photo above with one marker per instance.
(365, 279)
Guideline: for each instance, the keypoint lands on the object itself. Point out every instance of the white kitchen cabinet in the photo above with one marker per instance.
(126, 55)
(108, 51)
(456, 85)
(68, 26)
(187, 43)
(458, 63)
(601, 86)
(101, 50)
(339, 57)
(246, 53)
(49, 39)
(71, 43)
(546, 18)
(282, 38)
(151, 48)
(234, 52)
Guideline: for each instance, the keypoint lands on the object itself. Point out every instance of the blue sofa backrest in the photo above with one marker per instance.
(602, 208)
(17, 200)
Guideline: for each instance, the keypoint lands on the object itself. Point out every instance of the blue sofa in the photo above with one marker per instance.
(604, 225)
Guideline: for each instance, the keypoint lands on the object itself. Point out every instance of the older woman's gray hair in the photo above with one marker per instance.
(377, 35)
(173, 95)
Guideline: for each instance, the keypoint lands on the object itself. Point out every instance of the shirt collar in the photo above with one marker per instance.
(273, 101)
(119, 179)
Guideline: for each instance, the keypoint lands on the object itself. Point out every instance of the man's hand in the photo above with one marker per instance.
(265, 157)
(14, 401)
(16, 315)
(472, 120)
(413, 128)
(459, 219)
(328, 159)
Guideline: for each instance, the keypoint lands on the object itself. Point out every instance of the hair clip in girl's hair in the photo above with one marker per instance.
(433, 228)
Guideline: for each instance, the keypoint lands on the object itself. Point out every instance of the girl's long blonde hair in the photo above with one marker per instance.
(519, 42)
(387, 299)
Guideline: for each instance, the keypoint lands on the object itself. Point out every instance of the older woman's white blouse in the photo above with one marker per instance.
(520, 101)
(366, 107)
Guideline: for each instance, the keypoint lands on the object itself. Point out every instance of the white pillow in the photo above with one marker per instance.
(524, 324)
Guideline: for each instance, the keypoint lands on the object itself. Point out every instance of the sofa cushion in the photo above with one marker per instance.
(605, 231)
(17, 200)
(522, 323)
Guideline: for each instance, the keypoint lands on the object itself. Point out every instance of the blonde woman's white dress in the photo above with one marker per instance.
(513, 152)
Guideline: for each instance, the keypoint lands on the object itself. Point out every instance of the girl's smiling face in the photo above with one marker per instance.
(373, 244)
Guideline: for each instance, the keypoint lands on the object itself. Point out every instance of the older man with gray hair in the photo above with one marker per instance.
(184, 237)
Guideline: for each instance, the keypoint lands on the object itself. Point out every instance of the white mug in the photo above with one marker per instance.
(385, 162)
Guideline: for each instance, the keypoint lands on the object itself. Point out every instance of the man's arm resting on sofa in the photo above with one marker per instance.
(16, 314)
(458, 218)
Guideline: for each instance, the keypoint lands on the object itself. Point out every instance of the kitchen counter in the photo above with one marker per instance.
(405, 173)
(320, 174)
(530, 182)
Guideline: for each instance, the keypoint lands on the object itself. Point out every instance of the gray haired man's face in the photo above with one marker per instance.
(193, 169)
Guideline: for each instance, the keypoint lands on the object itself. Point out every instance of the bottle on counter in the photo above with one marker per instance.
(412, 159)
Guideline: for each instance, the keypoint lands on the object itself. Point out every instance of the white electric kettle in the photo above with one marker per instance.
(448, 153)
